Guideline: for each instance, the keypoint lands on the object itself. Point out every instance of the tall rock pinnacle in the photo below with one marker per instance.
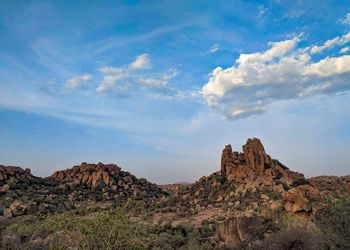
(253, 160)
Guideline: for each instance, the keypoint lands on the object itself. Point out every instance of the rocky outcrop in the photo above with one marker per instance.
(22, 193)
(15, 177)
(247, 180)
(255, 169)
(109, 177)
(254, 163)
(91, 175)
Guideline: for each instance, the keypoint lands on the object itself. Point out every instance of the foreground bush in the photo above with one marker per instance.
(112, 229)
(334, 222)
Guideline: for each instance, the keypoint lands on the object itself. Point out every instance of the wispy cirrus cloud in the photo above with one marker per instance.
(214, 48)
(337, 41)
(346, 19)
(344, 50)
(141, 62)
(262, 11)
(282, 72)
(126, 80)
(77, 81)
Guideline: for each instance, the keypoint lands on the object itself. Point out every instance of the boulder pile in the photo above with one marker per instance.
(109, 177)
(22, 193)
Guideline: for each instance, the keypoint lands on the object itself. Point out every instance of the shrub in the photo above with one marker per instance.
(299, 182)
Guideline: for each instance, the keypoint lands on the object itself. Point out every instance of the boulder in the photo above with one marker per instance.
(7, 213)
(236, 230)
(5, 188)
(300, 198)
(276, 204)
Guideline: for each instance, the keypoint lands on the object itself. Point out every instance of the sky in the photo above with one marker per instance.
(160, 87)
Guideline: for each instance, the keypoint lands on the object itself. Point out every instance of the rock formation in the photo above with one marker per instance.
(22, 193)
(14, 176)
(110, 176)
(256, 169)
(254, 163)
(247, 180)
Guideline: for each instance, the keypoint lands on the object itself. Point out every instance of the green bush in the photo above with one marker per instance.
(299, 182)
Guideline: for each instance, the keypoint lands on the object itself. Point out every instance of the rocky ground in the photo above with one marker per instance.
(253, 202)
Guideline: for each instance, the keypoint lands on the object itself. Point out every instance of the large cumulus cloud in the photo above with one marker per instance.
(284, 71)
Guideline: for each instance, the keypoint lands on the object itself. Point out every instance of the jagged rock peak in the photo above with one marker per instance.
(253, 145)
(253, 160)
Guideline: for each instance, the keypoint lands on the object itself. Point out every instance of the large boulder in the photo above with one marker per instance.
(18, 208)
(300, 198)
(235, 232)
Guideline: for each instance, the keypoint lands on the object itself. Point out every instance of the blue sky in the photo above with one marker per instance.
(159, 87)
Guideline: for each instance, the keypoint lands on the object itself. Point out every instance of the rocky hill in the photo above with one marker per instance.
(114, 182)
(22, 193)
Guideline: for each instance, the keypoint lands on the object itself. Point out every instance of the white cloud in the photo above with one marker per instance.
(118, 80)
(111, 76)
(262, 10)
(214, 48)
(151, 82)
(141, 62)
(160, 83)
(282, 72)
(330, 66)
(77, 81)
(346, 20)
(337, 41)
(126, 81)
(344, 50)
